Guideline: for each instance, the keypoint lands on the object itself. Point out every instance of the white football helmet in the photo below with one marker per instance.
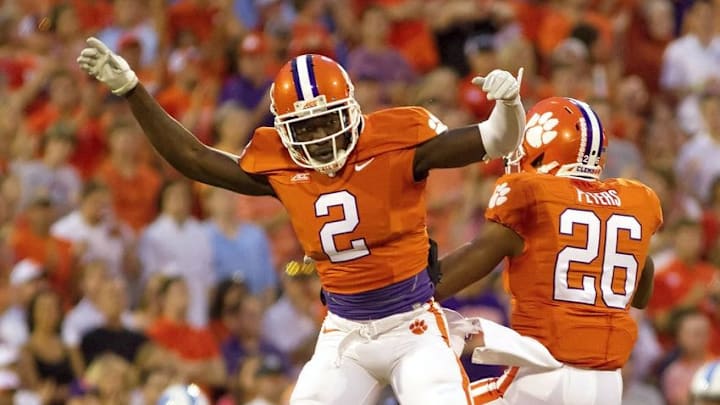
(705, 384)
(183, 395)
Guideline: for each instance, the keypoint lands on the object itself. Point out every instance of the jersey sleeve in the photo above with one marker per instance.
(651, 204)
(398, 128)
(656, 208)
(265, 153)
(511, 203)
(427, 125)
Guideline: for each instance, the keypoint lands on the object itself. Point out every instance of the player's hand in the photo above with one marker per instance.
(500, 85)
(100, 62)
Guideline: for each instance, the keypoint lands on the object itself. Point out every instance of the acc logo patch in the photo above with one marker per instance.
(540, 129)
(499, 195)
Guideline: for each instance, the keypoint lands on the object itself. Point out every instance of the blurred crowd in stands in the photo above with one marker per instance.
(119, 277)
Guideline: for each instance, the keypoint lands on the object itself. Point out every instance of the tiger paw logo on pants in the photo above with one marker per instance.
(499, 195)
(418, 327)
(540, 129)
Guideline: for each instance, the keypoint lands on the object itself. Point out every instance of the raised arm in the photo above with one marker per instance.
(475, 260)
(174, 143)
(499, 135)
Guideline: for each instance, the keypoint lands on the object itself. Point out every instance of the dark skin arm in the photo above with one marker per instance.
(477, 259)
(645, 286)
(187, 154)
(456, 148)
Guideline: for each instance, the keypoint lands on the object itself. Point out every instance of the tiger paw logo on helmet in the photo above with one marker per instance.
(499, 195)
(418, 327)
(540, 129)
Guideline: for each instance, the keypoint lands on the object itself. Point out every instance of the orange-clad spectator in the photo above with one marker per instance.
(190, 99)
(686, 280)
(130, 48)
(309, 34)
(62, 104)
(93, 15)
(559, 22)
(649, 32)
(197, 351)
(410, 33)
(480, 52)
(15, 62)
(90, 143)
(196, 16)
(530, 15)
(31, 239)
(134, 185)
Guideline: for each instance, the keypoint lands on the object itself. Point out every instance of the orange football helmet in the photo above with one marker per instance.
(316, 114)
(564, 137)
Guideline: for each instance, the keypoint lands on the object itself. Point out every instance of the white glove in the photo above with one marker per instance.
(100, 62)
(503, 130)
(500, 85)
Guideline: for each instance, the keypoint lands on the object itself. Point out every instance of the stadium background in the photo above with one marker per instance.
(135, 279)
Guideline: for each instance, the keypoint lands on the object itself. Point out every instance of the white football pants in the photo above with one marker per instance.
(353, 361)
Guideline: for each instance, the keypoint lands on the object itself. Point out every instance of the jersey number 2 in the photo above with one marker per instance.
(611, 258)
(358, 247)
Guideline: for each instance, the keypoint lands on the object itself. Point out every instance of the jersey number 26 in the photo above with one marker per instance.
(611, 259)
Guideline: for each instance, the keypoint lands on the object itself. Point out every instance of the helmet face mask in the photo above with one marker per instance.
(563, 137)
(316, 115)
(321, 137)
(514, 159)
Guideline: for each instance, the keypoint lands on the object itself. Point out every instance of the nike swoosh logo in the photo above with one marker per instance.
(361, 166)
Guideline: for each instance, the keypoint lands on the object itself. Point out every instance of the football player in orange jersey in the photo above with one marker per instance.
(354, 188)
(577, 250)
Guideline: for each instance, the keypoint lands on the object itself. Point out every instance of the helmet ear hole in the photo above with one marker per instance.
(538, 161)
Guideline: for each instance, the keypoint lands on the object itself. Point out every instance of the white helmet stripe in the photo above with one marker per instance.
(593, 134)
(303, 71)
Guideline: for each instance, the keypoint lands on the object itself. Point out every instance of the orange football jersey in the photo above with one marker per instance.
(585, 247)
(365, 227)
